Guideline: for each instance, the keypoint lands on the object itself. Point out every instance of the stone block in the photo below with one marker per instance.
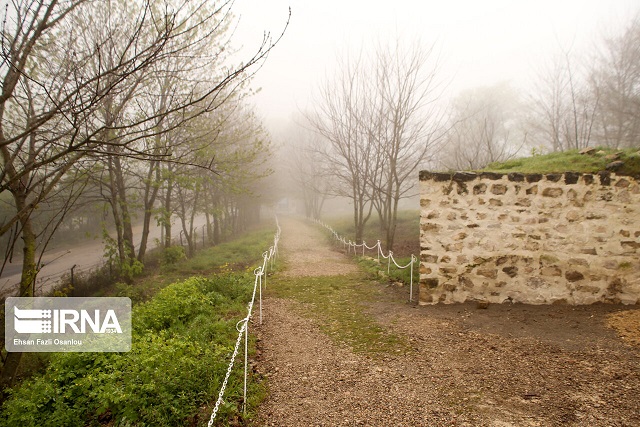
(489, 273)
(479, 189)
(511, 271)
(573, 276)
(622, 183)
(431, 282)
(552, 271)
(498, 189)
(429, 258)
(552, 192)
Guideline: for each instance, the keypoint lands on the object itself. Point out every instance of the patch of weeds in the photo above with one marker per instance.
(339, 303)
(394, 274)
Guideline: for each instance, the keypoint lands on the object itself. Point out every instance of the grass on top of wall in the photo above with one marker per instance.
(572, 161)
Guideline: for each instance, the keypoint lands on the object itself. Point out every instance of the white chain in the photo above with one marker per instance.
(226, 378)
(389, 256)
(258, 272)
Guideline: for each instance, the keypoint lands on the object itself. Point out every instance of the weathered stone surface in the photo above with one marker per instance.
(573, 276)
(449, 287)
(573, 216)
(516, 177)
(534, 177)
(532, 190)
(630, 244)
(622, 183)
(571, 177)
(491, 175)
(429, 258)
(589, 251)
(433, 215)
(537, 282)
(431, 227)
(552, 192)
(479, 188)
(448, 271)
(490, 273)
(431, 282)
(553, 271)
(498, 189)
(588, 151)
(614, 166)
(605, 178)
(564, 237)
(466, 282)
(578, 261)
(511, 271)
(464, 176)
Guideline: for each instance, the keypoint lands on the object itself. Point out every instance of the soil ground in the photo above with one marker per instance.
(453, 365)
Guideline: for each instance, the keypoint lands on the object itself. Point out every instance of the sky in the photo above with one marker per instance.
(481, 42)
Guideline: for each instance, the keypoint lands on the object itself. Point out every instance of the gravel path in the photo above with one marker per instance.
(503, 366)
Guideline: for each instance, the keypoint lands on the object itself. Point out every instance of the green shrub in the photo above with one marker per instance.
(172, 255)
(182, 341)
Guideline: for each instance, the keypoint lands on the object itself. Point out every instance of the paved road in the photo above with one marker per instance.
(85, 256)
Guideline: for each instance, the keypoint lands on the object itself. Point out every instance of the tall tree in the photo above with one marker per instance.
(564, 106)
(349, 154)
(63, 88)
(616, 79)
(406, 123)
(485, 126)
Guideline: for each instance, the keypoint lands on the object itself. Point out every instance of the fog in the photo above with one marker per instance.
(481, 43)
(492, 62)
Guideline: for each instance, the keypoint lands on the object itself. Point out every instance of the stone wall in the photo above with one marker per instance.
(531, 238)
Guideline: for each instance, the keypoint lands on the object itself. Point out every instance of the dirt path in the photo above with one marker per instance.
(459, 366)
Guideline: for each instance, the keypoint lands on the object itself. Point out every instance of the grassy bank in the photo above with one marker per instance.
(184, 332)
(573, 161)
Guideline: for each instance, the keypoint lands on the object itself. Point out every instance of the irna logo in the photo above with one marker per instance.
(29, 321)
(50, 324)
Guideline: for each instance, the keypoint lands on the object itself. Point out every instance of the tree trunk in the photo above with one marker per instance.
(27, 282)
(167, 213)
(150, 195)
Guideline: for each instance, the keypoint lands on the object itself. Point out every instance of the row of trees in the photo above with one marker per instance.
(376, 116)
(575, 102)
(136, 106)
(382, 115)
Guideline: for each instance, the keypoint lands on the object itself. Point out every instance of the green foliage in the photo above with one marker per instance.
(173, 255)
(571, 161)
(181, 345)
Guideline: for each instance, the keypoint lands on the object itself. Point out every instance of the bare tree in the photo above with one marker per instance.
(564, 105)
(484, 127)
(404, 122)
(66, 98)
(616, 78)
(350, 153)
(306, 168)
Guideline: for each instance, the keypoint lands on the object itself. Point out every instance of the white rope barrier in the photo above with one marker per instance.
(349, 244)
(243, 325)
